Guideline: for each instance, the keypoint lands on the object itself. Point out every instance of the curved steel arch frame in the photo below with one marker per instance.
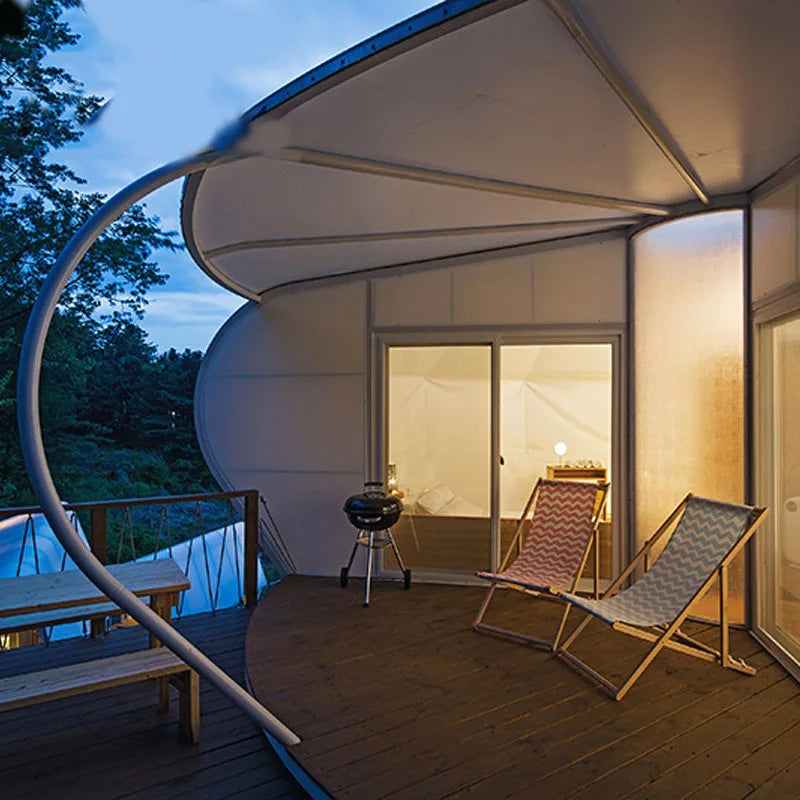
(33, 447)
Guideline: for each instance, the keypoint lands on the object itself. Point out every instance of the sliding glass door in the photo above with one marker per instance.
(778, 544)
(439, 419)
(446, 405)
(555, 422)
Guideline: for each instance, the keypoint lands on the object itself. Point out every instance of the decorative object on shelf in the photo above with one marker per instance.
(391, 478)
(560, 449)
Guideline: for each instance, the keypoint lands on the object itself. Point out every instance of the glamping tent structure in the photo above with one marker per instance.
(498, 227)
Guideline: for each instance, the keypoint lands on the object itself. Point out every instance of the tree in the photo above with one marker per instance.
(42, 108)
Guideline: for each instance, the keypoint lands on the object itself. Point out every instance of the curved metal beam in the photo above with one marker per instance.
(388, 169)
(592, 47)
(33, 448)
(422, 233)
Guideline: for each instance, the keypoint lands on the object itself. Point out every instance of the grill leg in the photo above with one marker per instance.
(369, 568)
(396, 551)
(353, 553)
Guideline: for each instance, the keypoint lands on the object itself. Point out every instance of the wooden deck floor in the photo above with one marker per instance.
(404, 700)
(115, 744)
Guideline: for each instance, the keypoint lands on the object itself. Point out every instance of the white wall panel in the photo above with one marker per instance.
(775, 240)
(313, 330)
(281, 408)
(580, 284)
(496, 292)
(583, 284)
(310, 422)
(308, 510)
(419, 298)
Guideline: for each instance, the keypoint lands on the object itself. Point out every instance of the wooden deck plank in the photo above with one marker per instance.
(758, 769)
(531, 752)
(404, 700)
(113, 743)
(785, 785)
(776, 714)
(640, 770)
(434, 760)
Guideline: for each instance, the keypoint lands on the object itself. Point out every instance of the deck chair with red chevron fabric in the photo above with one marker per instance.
(705, 536)
(552, 554)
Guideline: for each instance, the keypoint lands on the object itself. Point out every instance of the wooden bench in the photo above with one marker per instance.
(50, 684)
(57, 616)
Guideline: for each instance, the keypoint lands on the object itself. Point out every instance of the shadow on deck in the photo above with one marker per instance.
(114, 743)
(404, 700)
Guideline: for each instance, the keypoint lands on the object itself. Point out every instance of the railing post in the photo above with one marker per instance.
(98, 541)
(251, 548)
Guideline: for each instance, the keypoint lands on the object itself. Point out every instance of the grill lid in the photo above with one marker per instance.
(373, 509)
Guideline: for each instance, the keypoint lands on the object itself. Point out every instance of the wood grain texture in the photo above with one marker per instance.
(31, 594)
(113, 743)
(404, 700)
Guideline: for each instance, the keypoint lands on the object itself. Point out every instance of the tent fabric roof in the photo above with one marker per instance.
(482, 125)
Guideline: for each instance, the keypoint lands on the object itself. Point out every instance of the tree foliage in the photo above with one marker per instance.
(116, 415)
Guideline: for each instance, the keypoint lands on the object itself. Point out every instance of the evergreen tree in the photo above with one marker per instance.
(42, 108)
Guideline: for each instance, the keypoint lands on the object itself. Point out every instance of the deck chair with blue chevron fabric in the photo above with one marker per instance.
(553, 554)
(707, 536)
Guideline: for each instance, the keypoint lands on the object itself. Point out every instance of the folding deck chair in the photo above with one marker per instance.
(553, 555)
(706, 538)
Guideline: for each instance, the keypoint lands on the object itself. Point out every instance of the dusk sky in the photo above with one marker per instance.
(178, 71)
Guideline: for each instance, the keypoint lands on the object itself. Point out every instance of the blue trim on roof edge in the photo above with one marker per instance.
(369, 47)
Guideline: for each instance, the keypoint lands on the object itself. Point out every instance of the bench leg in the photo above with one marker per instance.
(188, 684)
(163, 695)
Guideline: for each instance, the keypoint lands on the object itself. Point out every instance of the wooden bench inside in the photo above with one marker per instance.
(38, 687)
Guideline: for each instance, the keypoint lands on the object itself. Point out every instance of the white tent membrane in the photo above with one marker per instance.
(479, 125)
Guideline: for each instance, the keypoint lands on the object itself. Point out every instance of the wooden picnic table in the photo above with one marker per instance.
(40, 600)
(32, 600)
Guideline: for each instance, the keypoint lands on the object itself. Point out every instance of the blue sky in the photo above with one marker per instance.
(178, 71)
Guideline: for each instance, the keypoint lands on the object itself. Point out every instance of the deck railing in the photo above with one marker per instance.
(116, 528)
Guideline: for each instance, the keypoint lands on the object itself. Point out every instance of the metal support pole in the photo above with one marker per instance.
(33, 448)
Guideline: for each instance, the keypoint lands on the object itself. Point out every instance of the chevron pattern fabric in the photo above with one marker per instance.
(704, 535)
(559, 533)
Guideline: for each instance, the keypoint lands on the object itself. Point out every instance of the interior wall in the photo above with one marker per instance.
(282, 399)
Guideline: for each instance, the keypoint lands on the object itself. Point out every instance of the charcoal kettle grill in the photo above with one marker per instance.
(372, 514)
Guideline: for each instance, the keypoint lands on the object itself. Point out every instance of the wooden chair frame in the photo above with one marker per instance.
(670, 635)
(547, 593)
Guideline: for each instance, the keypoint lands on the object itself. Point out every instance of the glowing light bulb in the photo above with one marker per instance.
(560, 449)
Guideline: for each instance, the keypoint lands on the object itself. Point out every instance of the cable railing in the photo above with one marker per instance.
(175, 526)
(217, 539)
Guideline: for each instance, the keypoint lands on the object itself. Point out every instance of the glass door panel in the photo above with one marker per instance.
(778, 544)
(439, 420)
(553, 393)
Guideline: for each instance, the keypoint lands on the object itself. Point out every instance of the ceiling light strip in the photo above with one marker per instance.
(591, 46)
(322, 158)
